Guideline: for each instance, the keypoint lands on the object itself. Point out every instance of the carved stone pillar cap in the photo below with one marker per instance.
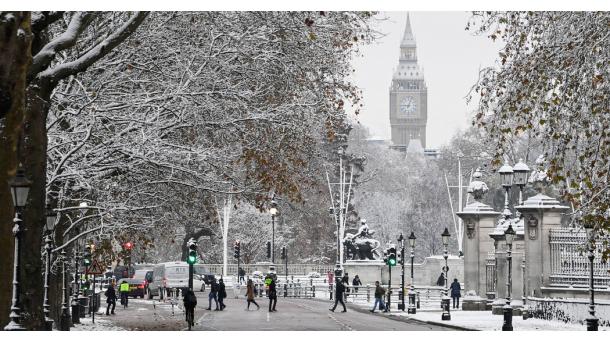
(541, 201)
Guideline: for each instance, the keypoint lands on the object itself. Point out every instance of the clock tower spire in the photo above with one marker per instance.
(408, 96)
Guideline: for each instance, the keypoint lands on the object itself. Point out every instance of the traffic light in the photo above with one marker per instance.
(399, 259)
(385, 256)
(128, 246)
(284, 253)
(192, 256)
(268, 249)
(237, 248)
(392, 256)
(87, 256)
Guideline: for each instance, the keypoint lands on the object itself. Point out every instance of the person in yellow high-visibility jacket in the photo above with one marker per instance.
(124, 290)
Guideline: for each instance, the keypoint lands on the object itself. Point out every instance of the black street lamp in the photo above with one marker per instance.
(446, 301)
(64, 324)
(274, 212)
(412, 307)
(75, 304)
(48, 247)
(20, 187)
(401, 240)
(509, 235)
(592, 320)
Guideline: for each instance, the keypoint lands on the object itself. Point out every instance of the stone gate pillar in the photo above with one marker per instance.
(541, 213)
(479, 221)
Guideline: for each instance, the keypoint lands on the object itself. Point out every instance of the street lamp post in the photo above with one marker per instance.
(48, 247)
(75, 304)
(592, 320)
(274, 211)
(506, 174)
(412, 307)
(20, 187)
(446, 301)
(509, 234)
(64, 324)
(401, 239)
(524, 312)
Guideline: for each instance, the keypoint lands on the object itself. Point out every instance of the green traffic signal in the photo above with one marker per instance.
(192, 259)
(391, 262)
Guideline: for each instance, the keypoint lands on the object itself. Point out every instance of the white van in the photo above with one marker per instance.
(169, 275)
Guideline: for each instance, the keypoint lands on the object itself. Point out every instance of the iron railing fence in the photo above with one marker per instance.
(570, 262)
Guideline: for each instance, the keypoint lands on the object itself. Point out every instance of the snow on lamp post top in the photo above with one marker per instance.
(477, 187)
(539, 177)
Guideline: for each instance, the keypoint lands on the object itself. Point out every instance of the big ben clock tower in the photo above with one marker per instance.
(408, 96)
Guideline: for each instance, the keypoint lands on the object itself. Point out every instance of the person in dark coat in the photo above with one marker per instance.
(110, 298)
(250, 295)
(222, 294)
(441, 280)
(339, 291)
(213, 295)
(379, 292)
(272, 296)
(242, 275)
(356, 282)
(455, 293)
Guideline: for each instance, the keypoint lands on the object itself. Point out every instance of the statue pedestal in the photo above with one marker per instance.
(369, 271)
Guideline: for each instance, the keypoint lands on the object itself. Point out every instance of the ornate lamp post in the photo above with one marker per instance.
(274, 212)
(64, 324)
(506, 174)
(20, 187)
(48, 247)
(446, 301)
(412, 308)
(75, 304)
(592, 321)
(520, 171)
(509, 234)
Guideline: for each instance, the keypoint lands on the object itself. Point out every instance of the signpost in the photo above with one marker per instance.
(95, 269)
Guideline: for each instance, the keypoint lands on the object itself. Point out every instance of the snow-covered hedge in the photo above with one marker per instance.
(568, 310)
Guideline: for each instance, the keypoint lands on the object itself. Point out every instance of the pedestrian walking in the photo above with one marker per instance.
(272, 296)
(345, 282)
(250, 295)
(242, 275)
(190, 302)
(379, 292)
(110, 299)
(441, 279)
(356, 282)
(124, 290)
(213, 295)
(222, 294)
(330, 277)
(339, 292)
(455, 293)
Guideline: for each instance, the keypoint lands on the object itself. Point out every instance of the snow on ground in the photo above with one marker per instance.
(101, 324)
(486, 321)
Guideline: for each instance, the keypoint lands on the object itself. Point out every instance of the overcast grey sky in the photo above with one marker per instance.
(451, 58)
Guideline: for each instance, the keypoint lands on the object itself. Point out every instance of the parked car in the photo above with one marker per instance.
(167, 276)
(313, 275)
(147, 276)
(136, 287)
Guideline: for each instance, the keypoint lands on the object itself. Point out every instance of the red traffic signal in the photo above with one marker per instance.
(128, 245)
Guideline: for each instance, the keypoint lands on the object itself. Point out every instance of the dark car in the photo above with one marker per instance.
(137, 287)
(203, 273)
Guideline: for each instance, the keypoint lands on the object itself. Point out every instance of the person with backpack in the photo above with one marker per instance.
(272, 296)
(213, 295)
(190, 302)
(110, 298)
(222, 294)
(339, 292)
(379, 293)
(124, 290)
(250, 295)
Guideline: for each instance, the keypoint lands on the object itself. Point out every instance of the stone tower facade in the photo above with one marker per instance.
(408, 96)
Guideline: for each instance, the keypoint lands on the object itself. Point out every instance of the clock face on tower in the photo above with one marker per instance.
(408, 105)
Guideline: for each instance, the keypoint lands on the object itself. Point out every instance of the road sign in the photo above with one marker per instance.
(95, 269)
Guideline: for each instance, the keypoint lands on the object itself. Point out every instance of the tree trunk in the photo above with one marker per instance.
(34, 161)
(15, 41)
